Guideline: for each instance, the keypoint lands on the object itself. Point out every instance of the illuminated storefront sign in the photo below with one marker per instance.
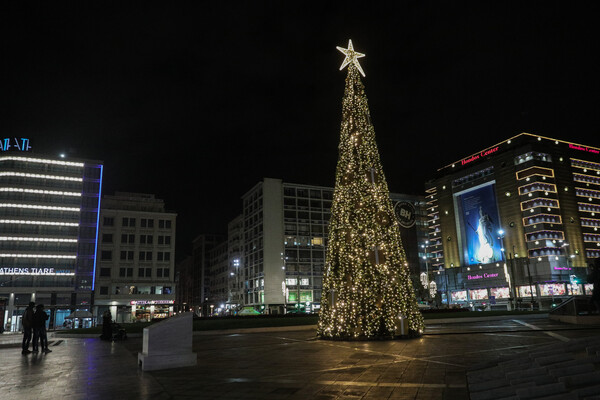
(20, 144)
(150, 302)
(484, 276)
(584, 148)
(475, 157)
(34, 271)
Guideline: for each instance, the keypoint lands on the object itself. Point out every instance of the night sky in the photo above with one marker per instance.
(196, 102)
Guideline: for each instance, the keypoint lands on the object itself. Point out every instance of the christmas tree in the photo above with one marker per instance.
(367, 291)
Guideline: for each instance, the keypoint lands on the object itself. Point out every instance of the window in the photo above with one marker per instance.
(106, 255)
(164, 223)
(127, 239)
(164, 240)
(163, 256)
(163, 272)
(103, 289)
(147, 223)
(125, 272)
(127, 255)
(145, 256)
(129, 222)
(108, 221)
(145, 272)
(105, 272)
(146, 239)
(107, 238)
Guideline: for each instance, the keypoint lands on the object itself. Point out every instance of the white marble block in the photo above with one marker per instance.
(168, 344)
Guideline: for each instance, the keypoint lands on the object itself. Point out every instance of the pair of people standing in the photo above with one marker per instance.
(35, 322)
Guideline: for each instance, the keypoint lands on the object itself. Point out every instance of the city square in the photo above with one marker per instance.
(271, 363)
(297, 201)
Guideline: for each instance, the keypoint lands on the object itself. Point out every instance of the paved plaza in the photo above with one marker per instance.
(274, 364)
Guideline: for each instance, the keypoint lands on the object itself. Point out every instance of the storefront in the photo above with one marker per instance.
(147, 310)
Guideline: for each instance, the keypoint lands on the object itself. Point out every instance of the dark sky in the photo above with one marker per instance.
(197, 101)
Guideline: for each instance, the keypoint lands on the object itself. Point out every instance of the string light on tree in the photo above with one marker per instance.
(367, 291)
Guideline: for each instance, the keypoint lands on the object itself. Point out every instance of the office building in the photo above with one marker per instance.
(515, 222)
(282, 244)
(136, 275)
(49, 209)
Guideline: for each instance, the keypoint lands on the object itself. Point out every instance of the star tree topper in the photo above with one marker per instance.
(351, 57)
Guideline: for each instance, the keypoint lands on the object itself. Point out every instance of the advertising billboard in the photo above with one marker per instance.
(479, 225)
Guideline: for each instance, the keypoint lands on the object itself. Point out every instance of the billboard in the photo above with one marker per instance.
(479, 225)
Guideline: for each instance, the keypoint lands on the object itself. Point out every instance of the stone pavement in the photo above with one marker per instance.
(281, 365)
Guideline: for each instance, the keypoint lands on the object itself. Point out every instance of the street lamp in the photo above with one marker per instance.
(426, 257)
(501, 237)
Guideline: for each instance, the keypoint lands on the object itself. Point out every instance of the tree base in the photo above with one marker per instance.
(411, 335)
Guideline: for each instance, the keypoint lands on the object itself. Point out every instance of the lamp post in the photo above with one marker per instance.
(501, 237)
(509, 273)
(425, 279)
(426, 256)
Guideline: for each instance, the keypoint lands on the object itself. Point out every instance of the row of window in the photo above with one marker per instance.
(144, 222)
(127, 272)
(143, 239)
(137, 290)
(107, 255)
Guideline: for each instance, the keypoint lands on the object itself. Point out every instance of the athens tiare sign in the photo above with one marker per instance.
(483, 276)
(475, 157)
(34, 271)
(20, 144)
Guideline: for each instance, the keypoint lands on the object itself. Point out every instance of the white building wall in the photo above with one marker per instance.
(273, 240)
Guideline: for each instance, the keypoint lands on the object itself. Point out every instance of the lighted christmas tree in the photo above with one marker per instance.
(367, 291)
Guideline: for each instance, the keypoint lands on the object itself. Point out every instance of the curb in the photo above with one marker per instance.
(481, 319)
(314, 327)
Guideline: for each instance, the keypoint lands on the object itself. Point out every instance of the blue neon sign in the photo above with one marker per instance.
(20, 144)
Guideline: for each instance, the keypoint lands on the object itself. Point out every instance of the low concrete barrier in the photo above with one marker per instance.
(168, 344)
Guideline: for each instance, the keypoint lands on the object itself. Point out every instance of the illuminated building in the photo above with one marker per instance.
(136, 266)
(284, 240)
(48, 231)
(518, 218)
(278, 217)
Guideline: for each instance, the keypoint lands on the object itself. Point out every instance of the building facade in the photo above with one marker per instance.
(49, 209)
(136, 275)
(282, 238)
(516, 222)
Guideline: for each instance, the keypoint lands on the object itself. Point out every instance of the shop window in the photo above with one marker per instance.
(500, 293)
(459, 295)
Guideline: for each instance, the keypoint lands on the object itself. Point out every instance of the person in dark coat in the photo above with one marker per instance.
(106, 326)
(39, 329)
(27, 322)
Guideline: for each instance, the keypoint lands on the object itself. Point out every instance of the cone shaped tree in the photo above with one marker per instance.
(367, 287)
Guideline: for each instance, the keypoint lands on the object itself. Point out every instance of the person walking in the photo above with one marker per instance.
(39, 329)
(27, 322)
(106, 326)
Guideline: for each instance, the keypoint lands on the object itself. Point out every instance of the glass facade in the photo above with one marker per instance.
(49, 211)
